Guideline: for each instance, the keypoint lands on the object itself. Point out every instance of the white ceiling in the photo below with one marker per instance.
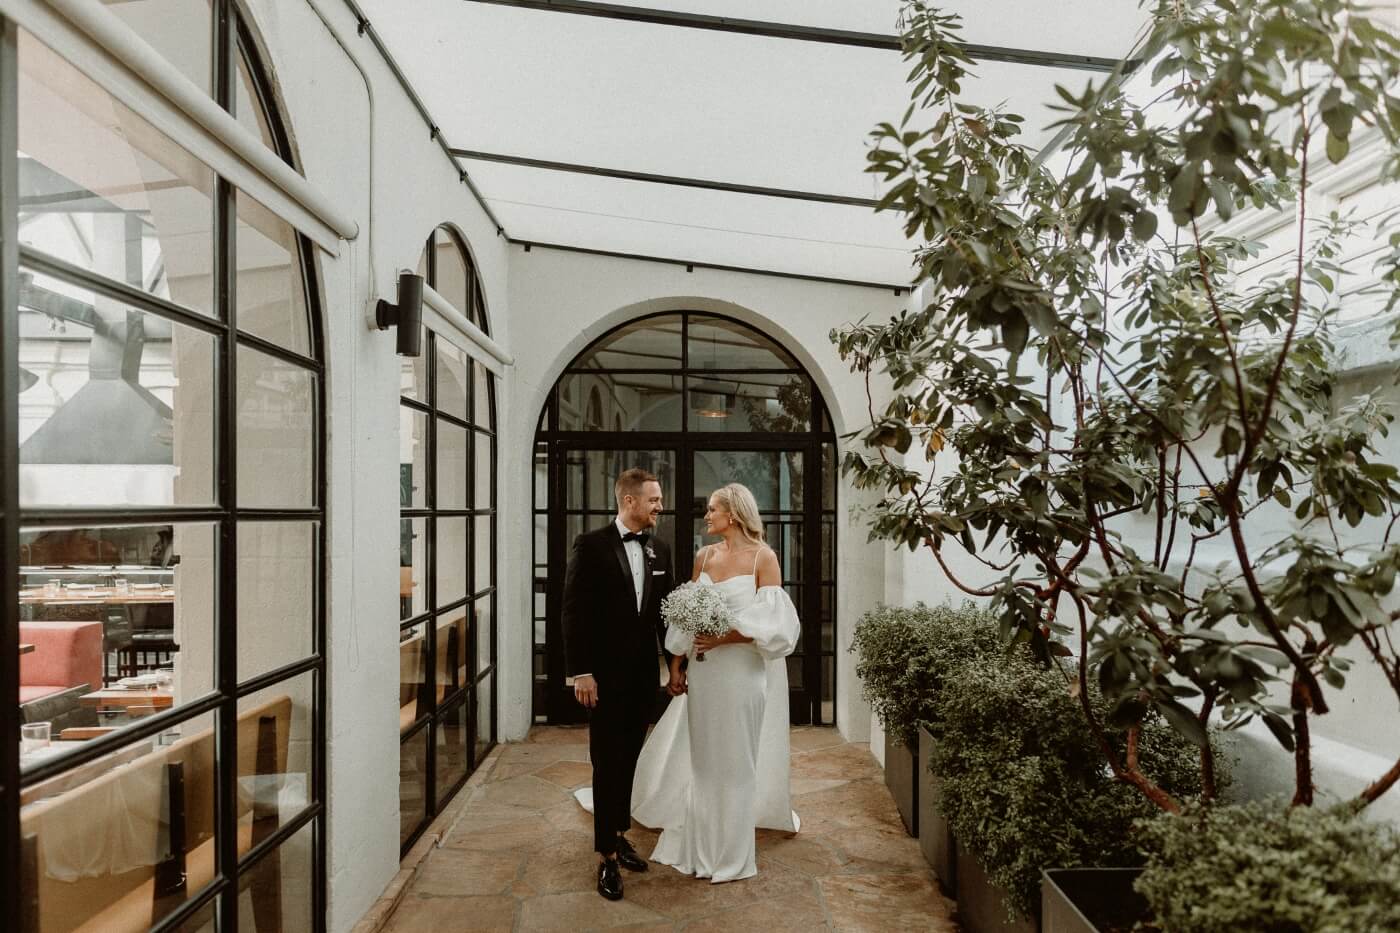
(717, 106)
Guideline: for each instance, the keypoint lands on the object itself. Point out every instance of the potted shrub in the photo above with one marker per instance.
(1120, 398)
(904, 656)
(1024, 787)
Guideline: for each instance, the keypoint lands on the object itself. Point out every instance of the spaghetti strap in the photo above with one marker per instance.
(757, 553)
(706, 559)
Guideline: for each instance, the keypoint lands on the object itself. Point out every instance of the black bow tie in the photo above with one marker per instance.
(640, 536)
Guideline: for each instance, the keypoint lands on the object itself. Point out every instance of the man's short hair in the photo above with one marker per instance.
(631, 481)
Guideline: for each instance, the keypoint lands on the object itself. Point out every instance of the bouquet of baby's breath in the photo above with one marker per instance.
(696, 609)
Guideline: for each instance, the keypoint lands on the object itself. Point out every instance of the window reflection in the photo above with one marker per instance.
(116, 624)
(116, 404)
(643, 402)
(271, 299)
(103, 189)
(276, 432)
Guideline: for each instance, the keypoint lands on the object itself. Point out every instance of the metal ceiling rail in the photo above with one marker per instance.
(752, 27)
(678, 180)
(692, 265)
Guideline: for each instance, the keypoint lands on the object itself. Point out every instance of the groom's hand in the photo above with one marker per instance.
(677, 685)
(586, 690)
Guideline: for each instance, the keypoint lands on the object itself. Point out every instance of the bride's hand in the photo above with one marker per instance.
(704, 643)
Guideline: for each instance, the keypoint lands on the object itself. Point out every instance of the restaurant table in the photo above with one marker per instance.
(96, 594)
(112, 697)
(24, 648)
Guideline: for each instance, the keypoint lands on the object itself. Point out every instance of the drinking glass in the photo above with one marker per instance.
(122, 585)
(53, 588)
(33, 736)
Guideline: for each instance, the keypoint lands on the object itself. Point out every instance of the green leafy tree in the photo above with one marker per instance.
(1092, 359)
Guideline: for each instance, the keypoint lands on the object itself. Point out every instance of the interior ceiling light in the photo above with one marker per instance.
(711, 404)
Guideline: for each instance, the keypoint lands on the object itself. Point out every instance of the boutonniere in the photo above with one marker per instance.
(651, 554)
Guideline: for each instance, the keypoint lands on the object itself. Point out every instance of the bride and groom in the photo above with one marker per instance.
(716, 765)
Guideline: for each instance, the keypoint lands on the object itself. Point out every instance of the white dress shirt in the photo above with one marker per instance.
(638, 565)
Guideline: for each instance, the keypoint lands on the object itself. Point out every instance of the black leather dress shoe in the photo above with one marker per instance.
(627, 856)
(609, 880)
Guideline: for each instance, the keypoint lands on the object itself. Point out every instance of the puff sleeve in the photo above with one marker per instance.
(678, 642)
(771, 621)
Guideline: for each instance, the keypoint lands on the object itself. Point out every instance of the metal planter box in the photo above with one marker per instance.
(935, 835)
(1090, 900)
(901, 766)
(981, 904)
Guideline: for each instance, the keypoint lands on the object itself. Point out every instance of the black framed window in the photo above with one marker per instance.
(447, 552)
(700, 400)
(163, 501)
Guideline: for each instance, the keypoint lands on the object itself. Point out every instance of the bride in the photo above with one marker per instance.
(716, 765)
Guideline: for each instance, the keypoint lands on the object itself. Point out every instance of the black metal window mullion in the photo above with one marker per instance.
(226, 456)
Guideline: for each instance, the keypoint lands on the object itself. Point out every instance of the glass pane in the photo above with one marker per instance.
(483, 551)
(413, 784)
(483, 622)
(451, 560)
(275, 742)
(413, 372)
(454, 737)
(485, 447)
(483, 399)
(828, 689)
(453, 653)
(794, 671)
(829, 466)
(248, 109)
(103, 189)
(116, 405)
(202, 922)
(276, 432)
(413, 563)
(478, 314)
(771, 404)
(774, 477)
(452, 366)
(621, 402)
(654, 343)
(116, 624)
(178, 29)
(714, 343)
(413, 459)
(278, 892)
(590, 475)
(452, 272)
(276, 594)
(270, 291)
(123, 798)
(451, 466)
(413, 653)
(485, 703)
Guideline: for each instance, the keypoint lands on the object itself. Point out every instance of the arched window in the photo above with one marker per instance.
(167, 474)
(447, 549)
(700, 400)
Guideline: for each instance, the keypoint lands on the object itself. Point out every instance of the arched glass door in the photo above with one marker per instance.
(699, 400)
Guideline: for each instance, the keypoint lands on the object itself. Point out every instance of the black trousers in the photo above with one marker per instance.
(617, 727)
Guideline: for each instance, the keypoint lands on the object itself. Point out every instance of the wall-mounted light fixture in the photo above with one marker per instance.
(406, 314)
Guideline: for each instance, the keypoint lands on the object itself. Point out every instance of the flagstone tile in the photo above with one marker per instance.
(453, 915)
(811, 855)
(528, 791)
(569, 775)
(893, 901)
(811, 739)
(525, 835)
(457, 872)
(800, 786)
(558, 735)
(569, 816)
(800, 913)
(584, 911)
(880, 848)
(682, 898)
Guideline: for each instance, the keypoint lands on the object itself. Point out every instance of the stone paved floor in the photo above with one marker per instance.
(518, 856)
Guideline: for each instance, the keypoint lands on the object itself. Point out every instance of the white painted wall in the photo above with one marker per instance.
(340, 129)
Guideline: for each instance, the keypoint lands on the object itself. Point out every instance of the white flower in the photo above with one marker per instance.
(696, 609)
(651, 555)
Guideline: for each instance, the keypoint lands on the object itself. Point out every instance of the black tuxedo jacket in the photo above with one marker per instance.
(604, 634)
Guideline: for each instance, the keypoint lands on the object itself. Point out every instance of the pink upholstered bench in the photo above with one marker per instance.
(65, 655)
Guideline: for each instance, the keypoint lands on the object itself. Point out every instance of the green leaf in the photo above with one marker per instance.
(1144, 225)
(1337, 147)
(1183, 721)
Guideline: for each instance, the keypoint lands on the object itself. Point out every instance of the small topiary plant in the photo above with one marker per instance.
(907, 653)
(1268, 868)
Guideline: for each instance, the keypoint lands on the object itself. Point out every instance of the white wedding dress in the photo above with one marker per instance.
(717, 764)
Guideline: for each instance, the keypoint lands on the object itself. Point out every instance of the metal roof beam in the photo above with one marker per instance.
(751, 27)
(653, 178)
(691, 265)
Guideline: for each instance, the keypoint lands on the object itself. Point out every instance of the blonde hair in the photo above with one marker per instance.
(743, 508)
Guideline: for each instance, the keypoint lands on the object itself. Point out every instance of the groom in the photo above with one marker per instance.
(617, 577)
